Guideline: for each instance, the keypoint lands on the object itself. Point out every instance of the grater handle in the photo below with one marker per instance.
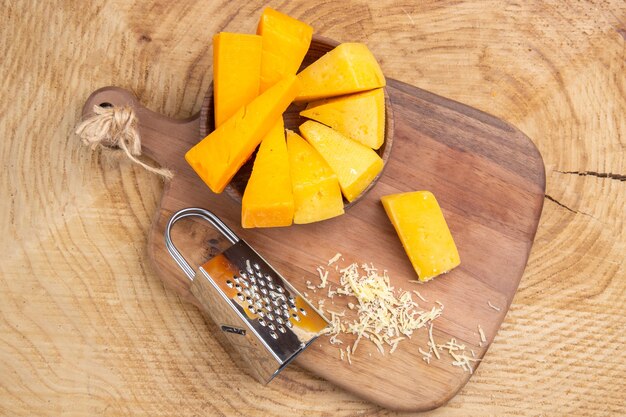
(194, 212)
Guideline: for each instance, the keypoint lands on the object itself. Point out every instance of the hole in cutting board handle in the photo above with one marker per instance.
(108, 105)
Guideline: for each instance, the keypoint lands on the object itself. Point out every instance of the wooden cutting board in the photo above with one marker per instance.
(489, 180)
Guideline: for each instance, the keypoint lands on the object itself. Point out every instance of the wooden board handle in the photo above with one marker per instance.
(160, 135)
(165, 140)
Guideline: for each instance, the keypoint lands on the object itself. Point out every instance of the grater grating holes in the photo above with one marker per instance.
(266, 297)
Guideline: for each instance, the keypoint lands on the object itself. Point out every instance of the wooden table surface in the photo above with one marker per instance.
(87, 328)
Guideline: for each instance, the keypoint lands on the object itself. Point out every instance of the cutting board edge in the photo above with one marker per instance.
(477, 114)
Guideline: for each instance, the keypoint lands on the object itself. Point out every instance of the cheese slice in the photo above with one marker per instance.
(268, 198)
(316, 191)
(355, 164)
(218, 157)
(349, 68)
(423, 231)
(285, 43)
(236, 72)
(359, 116)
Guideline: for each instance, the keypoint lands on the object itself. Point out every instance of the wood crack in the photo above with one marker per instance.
(557, 202)
(609, 175)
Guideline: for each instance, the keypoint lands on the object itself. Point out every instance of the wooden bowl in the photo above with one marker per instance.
(319, 46)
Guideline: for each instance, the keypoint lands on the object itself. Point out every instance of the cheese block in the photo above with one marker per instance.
(423, 231)
(236, 72)
(355, 164)
(359, 116)
(218, 157)
(285, 43)
(316, 191)
(268, 198)
(349, 68)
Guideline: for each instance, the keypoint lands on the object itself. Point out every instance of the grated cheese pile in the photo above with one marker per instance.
(382, 315)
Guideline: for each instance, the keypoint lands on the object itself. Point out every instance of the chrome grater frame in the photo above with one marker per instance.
(258, 311)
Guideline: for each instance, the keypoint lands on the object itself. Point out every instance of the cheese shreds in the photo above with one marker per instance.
(331, 293)
(452, 345)
(379, 345)
(459, 356)
(323, 276)
(320, 307)
(383, 315)
(483, 339)
(334, 259)
(419, 296)
(492, 306)
(335, 313)
(395, 342)
(334, 341)
(431, 342)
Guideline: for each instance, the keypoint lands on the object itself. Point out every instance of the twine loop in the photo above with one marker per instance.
(111, 128)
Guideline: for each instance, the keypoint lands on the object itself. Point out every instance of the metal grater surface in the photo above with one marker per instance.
(264, 317)
(271, 307)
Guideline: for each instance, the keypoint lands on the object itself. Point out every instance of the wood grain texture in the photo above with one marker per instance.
(86, 326)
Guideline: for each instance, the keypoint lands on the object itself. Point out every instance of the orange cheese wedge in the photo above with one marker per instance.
(268, 199)
(316, 191)
(349, 68)
(359, 116)
(236, 72)
(355, 164)
(423, 231)
(218, 157)
(285, 43)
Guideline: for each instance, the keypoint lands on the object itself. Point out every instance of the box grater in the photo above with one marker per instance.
(263, 316)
